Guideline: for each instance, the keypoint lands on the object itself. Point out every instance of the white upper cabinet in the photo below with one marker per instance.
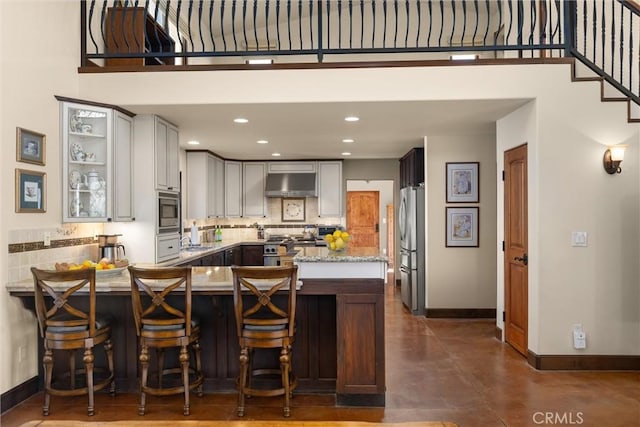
(159, 140)
(205, 185)
(330, 189)
(292, 167)
(96, 164)
(233, 188)
(254, 201)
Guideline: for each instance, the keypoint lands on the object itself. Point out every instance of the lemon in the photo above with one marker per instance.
(345, 236)
(337, 233)
(86, 263)
(339, 243)
(328, 238)
(332, 246)
(99, 267)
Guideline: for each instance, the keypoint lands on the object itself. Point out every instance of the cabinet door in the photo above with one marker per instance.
(233, 188)
(210, 186)
(219, 188)
(252, 254)
(173, 154)
(196, 192)
(160, 150)
(87, 156)
(329, 189)
(123, 168)
(254, 201)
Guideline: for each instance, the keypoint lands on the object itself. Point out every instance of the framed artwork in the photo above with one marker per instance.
(30, 146)
(293, 209)
(31, 191)
(463, 184)
(462, 227)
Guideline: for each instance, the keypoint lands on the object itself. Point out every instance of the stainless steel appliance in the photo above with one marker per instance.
(109, 248)
(412, 250)
(168, 212)
(274, 247)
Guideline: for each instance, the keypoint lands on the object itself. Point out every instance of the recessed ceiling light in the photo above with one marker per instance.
(276, 154)
(351, 119)
(193, 142)
(348, 140)
(346, 153)
(241, 120)
(262, 141)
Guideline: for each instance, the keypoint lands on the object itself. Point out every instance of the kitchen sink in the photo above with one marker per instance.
(195, 248)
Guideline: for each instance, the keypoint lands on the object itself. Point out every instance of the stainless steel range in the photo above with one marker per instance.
(274, 247)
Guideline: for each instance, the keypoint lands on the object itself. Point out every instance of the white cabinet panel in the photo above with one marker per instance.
(330, 189)
(254, 201)
(233, 188)
(205, 180)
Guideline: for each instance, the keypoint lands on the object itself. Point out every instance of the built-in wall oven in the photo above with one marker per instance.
(168, 212)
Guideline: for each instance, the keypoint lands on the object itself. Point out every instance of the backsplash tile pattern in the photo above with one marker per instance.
(69, 243)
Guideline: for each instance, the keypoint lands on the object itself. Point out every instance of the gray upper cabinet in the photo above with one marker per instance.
(233, 189)
(330, 189)
(205, 185)
(253, 183)
(160, 140)
(96, 164)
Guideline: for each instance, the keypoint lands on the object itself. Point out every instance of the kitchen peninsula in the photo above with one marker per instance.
(340, 336)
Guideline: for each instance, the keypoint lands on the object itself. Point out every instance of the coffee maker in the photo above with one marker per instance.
(109, 248)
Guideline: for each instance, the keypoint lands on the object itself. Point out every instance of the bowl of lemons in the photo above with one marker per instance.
(338, 241)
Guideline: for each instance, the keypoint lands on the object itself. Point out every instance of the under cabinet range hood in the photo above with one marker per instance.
(291, 185)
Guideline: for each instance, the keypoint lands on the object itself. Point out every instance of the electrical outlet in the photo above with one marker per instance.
(47, 238)
(579, 337)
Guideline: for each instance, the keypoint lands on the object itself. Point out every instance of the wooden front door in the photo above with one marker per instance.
(363, 216)
(516, 299)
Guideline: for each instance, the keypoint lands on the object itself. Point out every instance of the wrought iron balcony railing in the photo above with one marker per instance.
(123, 35)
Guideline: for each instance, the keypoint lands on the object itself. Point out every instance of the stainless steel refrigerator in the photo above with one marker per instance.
(412, 241)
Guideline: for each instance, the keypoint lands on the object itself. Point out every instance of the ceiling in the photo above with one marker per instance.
(316, 130)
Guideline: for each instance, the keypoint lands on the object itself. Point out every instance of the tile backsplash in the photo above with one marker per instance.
(69, 243)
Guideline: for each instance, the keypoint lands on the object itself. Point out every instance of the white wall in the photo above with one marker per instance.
(38, 61)
(460, 277)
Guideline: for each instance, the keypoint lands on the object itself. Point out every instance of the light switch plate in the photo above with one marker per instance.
(579, 238)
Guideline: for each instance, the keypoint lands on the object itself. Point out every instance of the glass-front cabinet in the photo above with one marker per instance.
(91, 173)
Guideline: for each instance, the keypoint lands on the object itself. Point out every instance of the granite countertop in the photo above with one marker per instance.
(202, 279)
(323, 254)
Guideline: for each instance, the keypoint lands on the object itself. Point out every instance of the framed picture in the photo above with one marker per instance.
(293, 209)
(31, 191)
(30, 146)
(462, 227)
(463, 184)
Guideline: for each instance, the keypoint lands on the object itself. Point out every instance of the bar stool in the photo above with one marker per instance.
(263, 322)
(66, 325)
(164, 322)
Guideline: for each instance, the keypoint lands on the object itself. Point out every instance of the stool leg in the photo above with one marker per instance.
(72, 369)
(284, 368)
(108, 348)
(47, 362)
(242, 383)
(196, 350)
(184, 363)
(144, 362)
(160, 356)
(88, 366)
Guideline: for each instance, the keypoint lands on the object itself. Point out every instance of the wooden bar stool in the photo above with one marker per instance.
(64, 325)
(163, 322)
(262, 322)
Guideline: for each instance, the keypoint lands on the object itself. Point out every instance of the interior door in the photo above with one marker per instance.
(363, 218)
(516, 243)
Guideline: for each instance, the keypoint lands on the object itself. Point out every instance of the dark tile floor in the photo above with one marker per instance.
(437, 370)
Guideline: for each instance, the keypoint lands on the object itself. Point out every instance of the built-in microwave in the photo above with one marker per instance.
(168, 212)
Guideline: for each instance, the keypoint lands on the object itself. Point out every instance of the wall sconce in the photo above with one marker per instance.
(612, 159)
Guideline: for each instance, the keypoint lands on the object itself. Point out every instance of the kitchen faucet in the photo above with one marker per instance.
(188, 238)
